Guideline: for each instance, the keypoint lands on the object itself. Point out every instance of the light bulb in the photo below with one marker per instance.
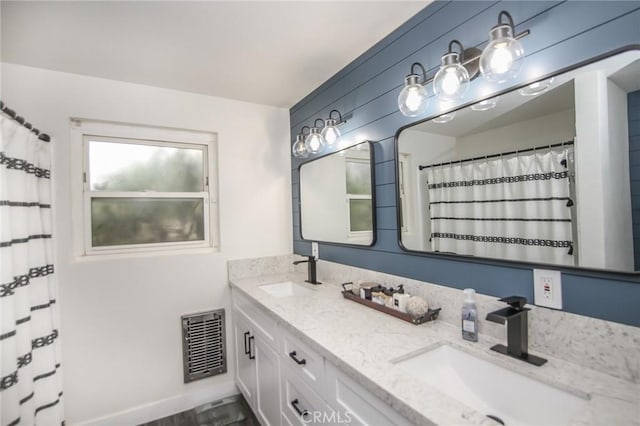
(299, 149)
(413, 99)
(501, 59)
(314, 142)
(451, 82)
(330, 132)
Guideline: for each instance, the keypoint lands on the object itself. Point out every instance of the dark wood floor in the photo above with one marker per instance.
(231, 411)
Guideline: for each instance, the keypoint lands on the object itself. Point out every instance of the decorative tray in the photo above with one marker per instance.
(431, 314)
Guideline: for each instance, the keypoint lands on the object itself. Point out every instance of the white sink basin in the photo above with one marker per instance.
(493, 390)
(286, 289)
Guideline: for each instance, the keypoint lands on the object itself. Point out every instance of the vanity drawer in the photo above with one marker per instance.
(263, 324)
(304, 361)
(299, 398)
(356, 404)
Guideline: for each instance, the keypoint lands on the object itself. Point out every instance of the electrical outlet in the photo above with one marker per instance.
(547, 288)
(314, 250)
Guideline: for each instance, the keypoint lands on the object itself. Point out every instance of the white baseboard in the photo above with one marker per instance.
(166, 407)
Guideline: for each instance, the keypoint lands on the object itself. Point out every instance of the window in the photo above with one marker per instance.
(359, 204)
(150, 191)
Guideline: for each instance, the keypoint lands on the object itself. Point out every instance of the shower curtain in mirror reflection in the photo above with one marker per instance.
(30, 374)
(515, 207)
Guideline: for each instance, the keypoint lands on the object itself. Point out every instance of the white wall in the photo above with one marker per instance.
(120, 327)
(540, 131)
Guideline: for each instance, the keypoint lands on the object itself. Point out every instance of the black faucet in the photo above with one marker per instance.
(515, 315)
(311, 275)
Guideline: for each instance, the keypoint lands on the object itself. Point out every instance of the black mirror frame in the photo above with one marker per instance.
(632, 276)
(373, 199)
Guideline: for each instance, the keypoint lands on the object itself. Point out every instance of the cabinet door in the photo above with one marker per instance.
(245, 367)
(268, 383)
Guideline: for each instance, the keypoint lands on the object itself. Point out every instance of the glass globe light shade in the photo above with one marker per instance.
(413, 99)
(314, 141)
(451, 82)
(330, 132)
(501, 59)
(299, 149)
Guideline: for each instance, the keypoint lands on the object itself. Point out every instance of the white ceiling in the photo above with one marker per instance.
(265, 52)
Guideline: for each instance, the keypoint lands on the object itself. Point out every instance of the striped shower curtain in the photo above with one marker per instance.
(30, 374)
(517, 207)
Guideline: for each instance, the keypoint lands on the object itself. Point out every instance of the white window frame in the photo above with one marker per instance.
(82, 131)
(357, 235)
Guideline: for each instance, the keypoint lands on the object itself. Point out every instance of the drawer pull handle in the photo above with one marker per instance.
(293, 354)
(251, 356)
(294, 404)
(246, 350)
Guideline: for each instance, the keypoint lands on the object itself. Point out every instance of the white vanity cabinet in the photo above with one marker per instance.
(257, 362)
(282, 378)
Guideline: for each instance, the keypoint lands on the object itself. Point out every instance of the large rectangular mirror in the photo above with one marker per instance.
(337, 197)
(549, 173)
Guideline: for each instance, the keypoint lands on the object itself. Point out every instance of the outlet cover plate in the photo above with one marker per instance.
(314, 250)
(547, 288)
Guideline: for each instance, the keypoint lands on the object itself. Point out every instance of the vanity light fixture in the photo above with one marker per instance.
(413, 99)
(537, 88)
(314, 141)
(501, 59)
(444, 118)
(330, 132)
(299, 148)
(498, 62)
(485, 105)
(451, 82)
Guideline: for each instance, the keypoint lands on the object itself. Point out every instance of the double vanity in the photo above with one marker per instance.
(304, 353)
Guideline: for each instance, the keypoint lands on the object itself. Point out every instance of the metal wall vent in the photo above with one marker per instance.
(203, 345)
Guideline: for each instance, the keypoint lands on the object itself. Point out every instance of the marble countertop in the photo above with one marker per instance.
(364, 343)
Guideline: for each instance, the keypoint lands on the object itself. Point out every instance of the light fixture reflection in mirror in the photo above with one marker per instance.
(337, 197)
(520, 182)
(537, 88)
(486, 104)
(444, 118)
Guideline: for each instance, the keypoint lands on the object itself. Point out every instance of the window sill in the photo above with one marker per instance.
(98, 257)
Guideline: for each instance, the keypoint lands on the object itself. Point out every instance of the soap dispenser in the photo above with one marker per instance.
(469, 316)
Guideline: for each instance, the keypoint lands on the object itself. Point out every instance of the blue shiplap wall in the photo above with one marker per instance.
(562, 34)
(633, 106)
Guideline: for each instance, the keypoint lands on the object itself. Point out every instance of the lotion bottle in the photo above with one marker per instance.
(469, 316)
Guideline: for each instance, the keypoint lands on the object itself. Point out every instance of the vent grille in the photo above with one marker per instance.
(203, 345)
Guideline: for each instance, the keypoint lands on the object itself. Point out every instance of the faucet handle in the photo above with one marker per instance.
(516, 302)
